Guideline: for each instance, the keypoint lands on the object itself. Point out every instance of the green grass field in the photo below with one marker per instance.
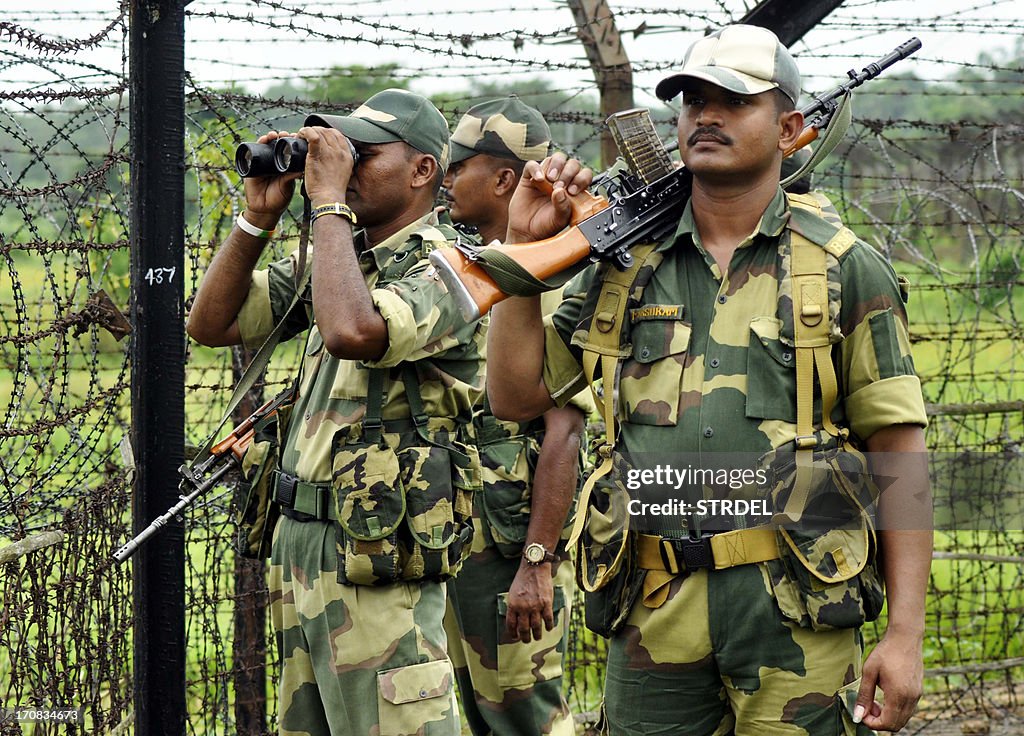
(964, 352)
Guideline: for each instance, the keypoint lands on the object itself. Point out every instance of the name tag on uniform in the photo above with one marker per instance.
(657, 311)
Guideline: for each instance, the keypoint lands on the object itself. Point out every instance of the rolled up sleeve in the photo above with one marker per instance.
(256, 317)
(880, 383)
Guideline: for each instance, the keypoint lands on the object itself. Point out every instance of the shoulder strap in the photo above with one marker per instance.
(253, 371)
(420, 243)
(604, 345)
(813, 343)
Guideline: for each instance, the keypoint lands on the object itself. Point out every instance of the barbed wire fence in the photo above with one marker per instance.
(943, 199)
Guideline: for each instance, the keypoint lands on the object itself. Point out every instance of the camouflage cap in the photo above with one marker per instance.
(506, 128)
(740, 58)
(394, 115)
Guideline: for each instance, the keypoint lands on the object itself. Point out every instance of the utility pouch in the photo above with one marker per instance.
(404, 498)
(827, 573)
(370, 500)
(606, 554)
(464, 458)
(508, 461)
(439, 481)
(258, 513)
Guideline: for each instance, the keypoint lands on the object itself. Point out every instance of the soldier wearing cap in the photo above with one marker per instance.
(390, 372)
(740, 628)
(508, 609)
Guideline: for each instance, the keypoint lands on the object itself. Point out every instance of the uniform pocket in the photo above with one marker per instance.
(771, 373)
(651, 378)
(371, 504)
(518, 664)
(430, 512)
(410, 697)
(507, 467)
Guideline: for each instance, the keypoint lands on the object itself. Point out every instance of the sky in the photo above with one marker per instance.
(442, 48)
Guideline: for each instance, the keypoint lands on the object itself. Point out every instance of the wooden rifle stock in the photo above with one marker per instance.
(807, 136)
(476, 292)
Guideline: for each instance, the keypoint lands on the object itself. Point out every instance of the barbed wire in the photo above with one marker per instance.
(941, 199)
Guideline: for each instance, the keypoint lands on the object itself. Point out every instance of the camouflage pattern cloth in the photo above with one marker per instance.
(740, 58)
(395, 115)
(345, 648)
(509, 687)
(710, 370)
(505, 128)
(355, 659)
(701, 664)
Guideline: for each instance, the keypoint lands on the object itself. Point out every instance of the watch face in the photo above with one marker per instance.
(535, 553)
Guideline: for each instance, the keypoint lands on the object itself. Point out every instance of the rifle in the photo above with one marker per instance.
(197, 479)
(643, 205)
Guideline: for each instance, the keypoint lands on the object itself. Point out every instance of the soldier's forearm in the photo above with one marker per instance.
(899, 459)
(557, 472)
(348, 320)
(212, 318)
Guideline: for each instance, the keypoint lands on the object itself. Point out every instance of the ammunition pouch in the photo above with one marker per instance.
(827, 575)
(403, 503)
(258, 513)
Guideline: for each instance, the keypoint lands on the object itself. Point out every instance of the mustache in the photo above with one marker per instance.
(708, 133)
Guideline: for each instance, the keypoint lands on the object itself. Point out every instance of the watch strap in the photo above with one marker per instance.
(334, 208)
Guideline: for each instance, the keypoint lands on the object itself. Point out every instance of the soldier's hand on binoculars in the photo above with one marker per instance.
(329, 164)
(269, 196)
(540, 206)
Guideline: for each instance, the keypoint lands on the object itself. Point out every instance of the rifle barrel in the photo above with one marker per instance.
(822, 102)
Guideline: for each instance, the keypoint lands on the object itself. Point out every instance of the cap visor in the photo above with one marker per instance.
(460, 153)
(357, 129)
(729, 79)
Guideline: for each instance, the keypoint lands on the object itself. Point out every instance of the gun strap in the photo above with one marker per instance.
(834, 131)
(252, 372)
(515, 280)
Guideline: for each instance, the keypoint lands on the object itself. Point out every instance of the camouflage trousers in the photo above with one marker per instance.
(356, 660)
(508, 688)
(718, 658)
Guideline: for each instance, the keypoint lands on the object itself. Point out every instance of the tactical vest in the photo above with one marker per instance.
(615, 564)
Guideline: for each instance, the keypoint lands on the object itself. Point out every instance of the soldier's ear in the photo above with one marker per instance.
(425, 172)
(505, 181)
(791, 125)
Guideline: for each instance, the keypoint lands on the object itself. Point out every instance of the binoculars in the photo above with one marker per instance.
(276, 158)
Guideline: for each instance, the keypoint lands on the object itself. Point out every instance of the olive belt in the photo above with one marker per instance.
(304, 501)
(709, 552)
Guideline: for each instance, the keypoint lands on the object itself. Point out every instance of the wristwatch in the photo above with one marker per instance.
(536, 554)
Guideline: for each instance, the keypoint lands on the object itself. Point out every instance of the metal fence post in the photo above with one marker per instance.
(157, 105)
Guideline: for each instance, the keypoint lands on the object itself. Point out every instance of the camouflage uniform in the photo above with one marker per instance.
(709, 370)
(508, 687)
(715, 378)
(369, 658)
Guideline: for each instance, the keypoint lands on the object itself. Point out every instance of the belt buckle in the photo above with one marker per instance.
(286, 485)
(692, 553)
(697, 553)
